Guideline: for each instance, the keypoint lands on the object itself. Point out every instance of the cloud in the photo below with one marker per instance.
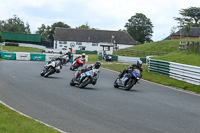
(101, 14)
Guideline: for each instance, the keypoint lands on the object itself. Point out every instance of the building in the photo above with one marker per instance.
(193, 33)
(91, 40)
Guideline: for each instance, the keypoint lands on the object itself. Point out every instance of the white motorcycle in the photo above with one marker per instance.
(88, 77)
(51, 67)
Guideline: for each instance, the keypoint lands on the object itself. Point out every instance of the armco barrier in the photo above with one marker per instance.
(159, 66)
(187, 73)
(128, 59)
(8, 56)
(114, 57)
(72, 58)
(143, 60)
(51, 56)
(0, 54)
(23, 56)
(37, 57)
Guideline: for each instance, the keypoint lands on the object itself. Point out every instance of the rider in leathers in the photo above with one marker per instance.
(96, 65)
(131, 68)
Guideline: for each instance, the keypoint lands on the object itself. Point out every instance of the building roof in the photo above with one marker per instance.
(21, 37)
(194, 32)
(95, 36)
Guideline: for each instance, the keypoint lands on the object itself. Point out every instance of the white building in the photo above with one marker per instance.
(91, 40)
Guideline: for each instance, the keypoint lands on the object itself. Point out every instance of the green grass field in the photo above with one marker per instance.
(13, 122)
(21, 49)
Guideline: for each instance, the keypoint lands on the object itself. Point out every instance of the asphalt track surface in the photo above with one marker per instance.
(146, 108)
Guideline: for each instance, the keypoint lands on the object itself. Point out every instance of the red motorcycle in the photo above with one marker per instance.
(77, 63)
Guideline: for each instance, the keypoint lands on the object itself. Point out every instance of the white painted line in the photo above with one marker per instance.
(177, 89)
(31, 117)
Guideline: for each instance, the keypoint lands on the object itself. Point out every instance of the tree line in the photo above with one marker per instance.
(138, 26)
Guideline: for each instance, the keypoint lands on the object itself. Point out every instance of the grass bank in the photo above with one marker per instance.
(21, 49)
(13, 122)
(189, 58)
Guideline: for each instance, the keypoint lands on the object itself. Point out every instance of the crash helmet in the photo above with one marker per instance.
(97, 65)
(139, 63)
(83, 55)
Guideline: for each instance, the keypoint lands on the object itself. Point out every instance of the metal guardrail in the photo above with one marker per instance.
(187, 73)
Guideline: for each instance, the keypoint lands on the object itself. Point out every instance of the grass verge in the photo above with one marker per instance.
(21, 49)
(13, 122)
(157, 78)
(189, 58)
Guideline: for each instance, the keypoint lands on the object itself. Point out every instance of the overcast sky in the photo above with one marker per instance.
(101, 14)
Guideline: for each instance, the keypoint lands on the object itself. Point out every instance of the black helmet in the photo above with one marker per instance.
(97, 64)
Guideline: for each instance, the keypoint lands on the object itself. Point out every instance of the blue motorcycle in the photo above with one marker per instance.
(128, 80)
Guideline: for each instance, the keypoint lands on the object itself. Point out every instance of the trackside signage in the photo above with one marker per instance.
(37, 57)
(8, 56)
(22, 56)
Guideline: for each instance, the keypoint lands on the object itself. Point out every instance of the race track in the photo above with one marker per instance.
(147, 108)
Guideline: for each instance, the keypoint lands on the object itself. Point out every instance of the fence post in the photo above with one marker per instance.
(197, 47)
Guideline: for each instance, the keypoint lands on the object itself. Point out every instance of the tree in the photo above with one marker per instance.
(48, 31)
(85, 26)
(140, 28)
(44, 31)
(53, 26)
(14, 24)
(1, 39)
(173, 30)
(190, 15)
(187, 28)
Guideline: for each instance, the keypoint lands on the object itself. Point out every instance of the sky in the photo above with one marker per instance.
(101, 14)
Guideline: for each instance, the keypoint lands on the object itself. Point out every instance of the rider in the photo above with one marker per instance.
(131, 68)
(96, 65)
(82, 57)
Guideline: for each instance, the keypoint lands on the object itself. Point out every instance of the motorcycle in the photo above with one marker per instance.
(76, 64)
(88, 77)
(109, 58)
(65, 59)
(51, 67)
(128, 80)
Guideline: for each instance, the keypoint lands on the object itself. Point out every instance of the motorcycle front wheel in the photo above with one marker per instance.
(49, 71)
(129, 83)
(42, 73)
(84, 82)
(72, 82)
(115, 83)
